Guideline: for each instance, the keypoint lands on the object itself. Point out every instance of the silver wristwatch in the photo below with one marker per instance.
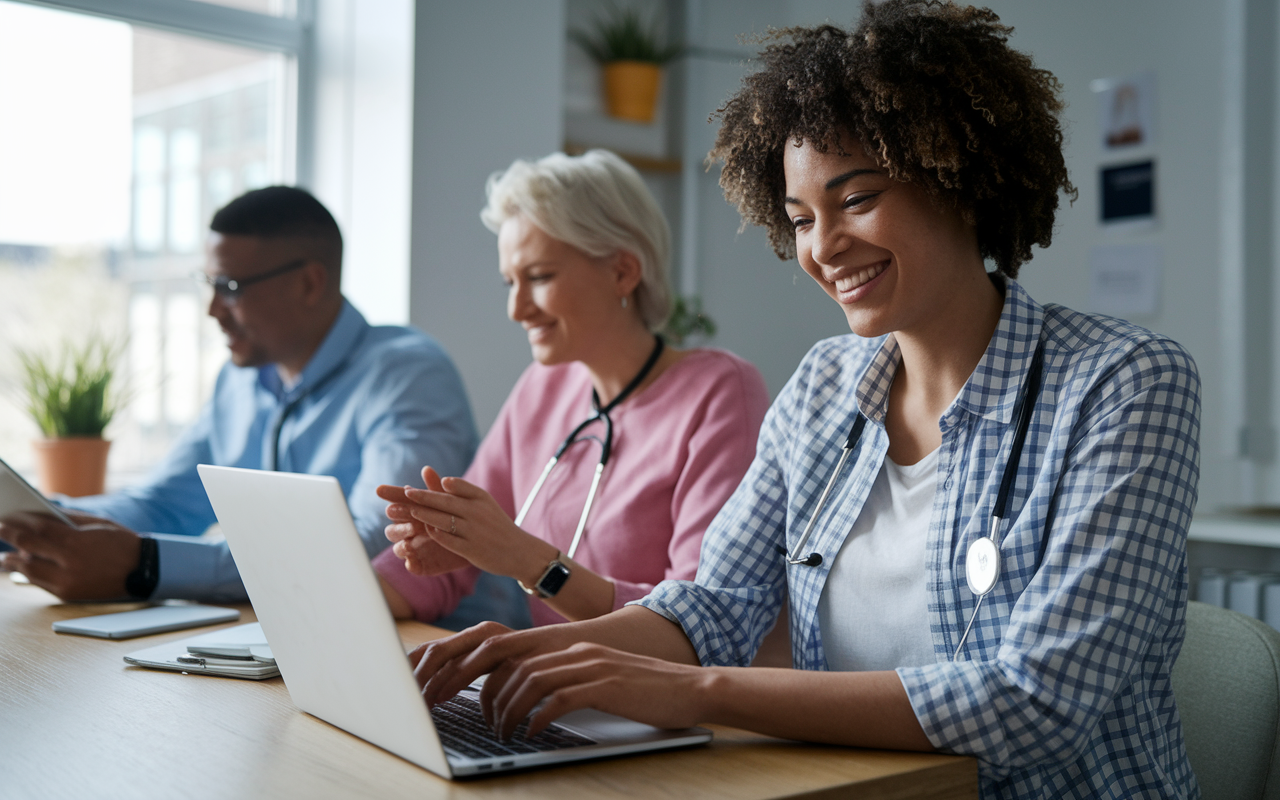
(552, 580)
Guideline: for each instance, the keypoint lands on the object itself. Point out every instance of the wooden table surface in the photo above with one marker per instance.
(77, 722)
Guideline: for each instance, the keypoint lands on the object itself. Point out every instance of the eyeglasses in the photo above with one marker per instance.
(229, 289)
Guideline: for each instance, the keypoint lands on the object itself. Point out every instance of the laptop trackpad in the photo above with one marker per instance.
(604, 727)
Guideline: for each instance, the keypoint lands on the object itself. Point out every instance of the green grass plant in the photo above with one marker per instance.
(70, 394)
(624, 36)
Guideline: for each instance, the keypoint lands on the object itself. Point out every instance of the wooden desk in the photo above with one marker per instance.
(75, 721)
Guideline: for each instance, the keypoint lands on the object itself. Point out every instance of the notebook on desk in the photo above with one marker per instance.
(239, 652)
(320, 605)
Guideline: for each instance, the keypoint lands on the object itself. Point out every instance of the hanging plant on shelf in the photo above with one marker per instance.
(70, 398)
(632, 55)
(688, 319)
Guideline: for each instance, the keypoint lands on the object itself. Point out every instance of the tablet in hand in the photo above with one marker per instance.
(18, 495)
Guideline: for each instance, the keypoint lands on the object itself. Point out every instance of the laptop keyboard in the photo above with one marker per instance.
(462, 728)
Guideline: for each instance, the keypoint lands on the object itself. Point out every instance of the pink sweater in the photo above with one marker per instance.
(680, 447)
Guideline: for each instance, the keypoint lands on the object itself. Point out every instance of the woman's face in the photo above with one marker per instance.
(878, 247)
(563, 298)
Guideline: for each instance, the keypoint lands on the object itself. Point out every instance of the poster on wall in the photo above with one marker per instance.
(1128, 194)
(1126, 110)
(1124, 279)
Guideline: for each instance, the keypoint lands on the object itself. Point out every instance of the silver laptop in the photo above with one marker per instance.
(307, 573)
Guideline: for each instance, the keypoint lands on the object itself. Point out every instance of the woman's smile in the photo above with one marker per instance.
(852, 288)
(540, 333)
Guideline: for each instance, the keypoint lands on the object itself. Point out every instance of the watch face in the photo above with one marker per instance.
(553, 580)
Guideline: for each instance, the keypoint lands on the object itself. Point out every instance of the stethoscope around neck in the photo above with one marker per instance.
(598, 413)
(982, 562)
(293, 404)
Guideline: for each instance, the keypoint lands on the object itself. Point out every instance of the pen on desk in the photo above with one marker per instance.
(209, 661)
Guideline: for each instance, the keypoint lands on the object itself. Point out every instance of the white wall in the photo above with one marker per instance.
(363, 145)
(487, 89)
(768, 311)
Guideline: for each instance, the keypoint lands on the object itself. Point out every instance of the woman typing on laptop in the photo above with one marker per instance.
(613, 451)
(977, 505)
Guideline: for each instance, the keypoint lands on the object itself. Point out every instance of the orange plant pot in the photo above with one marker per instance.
(631, 89)
(75, 466)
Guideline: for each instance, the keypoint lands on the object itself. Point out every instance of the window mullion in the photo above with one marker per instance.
(230, 25)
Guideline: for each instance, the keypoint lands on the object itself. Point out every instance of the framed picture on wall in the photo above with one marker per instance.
(1126, 110)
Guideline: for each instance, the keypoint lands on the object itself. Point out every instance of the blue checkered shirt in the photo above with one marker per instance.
(1063, 688)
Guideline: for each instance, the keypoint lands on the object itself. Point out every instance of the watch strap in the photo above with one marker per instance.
(141, 583)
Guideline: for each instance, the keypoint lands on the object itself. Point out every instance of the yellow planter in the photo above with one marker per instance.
(75, 466)
(631, 89)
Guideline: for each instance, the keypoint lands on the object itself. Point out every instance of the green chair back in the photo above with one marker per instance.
(1227, 685)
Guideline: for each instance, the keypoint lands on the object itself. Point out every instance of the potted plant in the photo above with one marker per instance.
(688, 319)
(71, 400)
(632, 55)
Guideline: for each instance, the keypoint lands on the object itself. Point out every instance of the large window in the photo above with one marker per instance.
(120, 141)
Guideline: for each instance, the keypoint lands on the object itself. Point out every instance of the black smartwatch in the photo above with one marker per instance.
(141, 583)
(552, 580)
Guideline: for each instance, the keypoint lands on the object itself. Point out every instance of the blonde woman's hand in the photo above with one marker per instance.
(411, 541)
(466, 520)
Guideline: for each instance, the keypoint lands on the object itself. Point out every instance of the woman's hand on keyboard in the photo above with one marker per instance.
(646, 646)
(447, 666)
(585, 675)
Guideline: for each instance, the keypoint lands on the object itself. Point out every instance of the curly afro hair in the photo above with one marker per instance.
(934, 93)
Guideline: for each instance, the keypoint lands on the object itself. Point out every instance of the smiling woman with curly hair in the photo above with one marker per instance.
(976, 505)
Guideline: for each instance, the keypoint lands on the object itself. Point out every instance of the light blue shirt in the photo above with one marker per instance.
(373, 405)
(1063, 688)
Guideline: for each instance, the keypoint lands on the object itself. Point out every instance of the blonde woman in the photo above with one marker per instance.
(650, 440)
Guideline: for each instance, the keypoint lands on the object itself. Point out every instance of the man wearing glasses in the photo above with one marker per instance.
(311, 387)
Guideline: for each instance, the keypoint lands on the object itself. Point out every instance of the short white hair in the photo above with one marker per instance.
(597, 203)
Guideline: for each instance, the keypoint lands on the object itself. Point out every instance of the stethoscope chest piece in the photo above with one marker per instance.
(982, 565)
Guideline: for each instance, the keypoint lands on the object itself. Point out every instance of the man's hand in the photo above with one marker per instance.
(89, 562)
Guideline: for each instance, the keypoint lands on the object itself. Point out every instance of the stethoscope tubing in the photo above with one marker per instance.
(1000, 510)
(292, 406)
(814, 559)
(599, 414)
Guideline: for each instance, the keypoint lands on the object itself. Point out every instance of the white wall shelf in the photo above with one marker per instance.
(642, 163)
(1257, 531)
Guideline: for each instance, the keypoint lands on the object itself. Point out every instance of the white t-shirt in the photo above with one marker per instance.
(873, 613)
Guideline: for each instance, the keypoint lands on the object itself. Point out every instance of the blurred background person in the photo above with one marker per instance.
(310, 387)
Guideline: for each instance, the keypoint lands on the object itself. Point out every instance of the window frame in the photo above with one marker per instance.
(293, 36)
